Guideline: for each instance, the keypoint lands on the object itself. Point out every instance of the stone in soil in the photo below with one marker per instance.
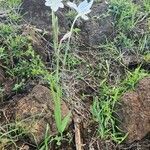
(33, 113)
(135, 111)
(99, 27)
(131, 60)
(36, 13)
(39, 43)
(94, 32)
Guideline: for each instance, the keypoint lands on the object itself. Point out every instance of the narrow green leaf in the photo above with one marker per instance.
(65, 122)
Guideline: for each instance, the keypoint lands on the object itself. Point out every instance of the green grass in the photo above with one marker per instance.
(18, 57)
(10, 133)
(146, 4)
(128, 17)
(127, 14)
(103, 108)
(11, 9)
(21, 63)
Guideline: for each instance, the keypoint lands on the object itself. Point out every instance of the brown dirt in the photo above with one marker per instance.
(33, 113)
(35, 110)
(2, 75)
(99, 28)
(39, 43)
(32, 10)
(135, 111)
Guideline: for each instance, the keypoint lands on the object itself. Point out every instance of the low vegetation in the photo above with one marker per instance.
(98, 75)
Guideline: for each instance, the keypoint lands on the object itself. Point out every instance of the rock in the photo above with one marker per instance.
(40, 45)
(99, 27)
(94, 32)
(36, 13)
(131, 60)
(143, 90)
(135, 111)
(33, 113)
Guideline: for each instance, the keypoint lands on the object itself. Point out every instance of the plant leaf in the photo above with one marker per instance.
(65, 122)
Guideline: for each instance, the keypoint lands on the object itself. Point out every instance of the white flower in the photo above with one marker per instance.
(54, 4)
(83, 8)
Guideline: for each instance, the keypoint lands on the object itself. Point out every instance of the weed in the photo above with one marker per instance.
(72, 61)
(18, 86)
(57, 95)
(9, 134)
(124, 42)
(18, 55)
(48, 139)
(103, 108)
(13, 3)
(147, 57)
(1, 93)
(125, 14)
(11, 7)
(6, 30)
(146, 4)
(133, 78)
(144, 44)
(70, 15)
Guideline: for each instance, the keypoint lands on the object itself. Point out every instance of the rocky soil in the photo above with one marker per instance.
(33, 108)
(34, 112)
(135, 112)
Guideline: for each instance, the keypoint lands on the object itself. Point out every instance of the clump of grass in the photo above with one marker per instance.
(146, 4)
(128, 16)
(11, 10)
(125, 14)
(9, 135)
(103, 108)
(18, 58)
(21, 63)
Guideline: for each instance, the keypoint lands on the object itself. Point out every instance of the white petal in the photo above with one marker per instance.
(85, 6)
(87, 11)
(54, 8)
(72, 5)
(84, 17)
(54, 4)
(48, 3)
(61, 5)
(91, 3)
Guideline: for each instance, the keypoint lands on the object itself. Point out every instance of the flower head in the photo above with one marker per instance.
(54, 4)
(83, 8)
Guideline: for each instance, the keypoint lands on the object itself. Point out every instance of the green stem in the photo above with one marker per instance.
(69, 39)
(57, 46)
(55, 31)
